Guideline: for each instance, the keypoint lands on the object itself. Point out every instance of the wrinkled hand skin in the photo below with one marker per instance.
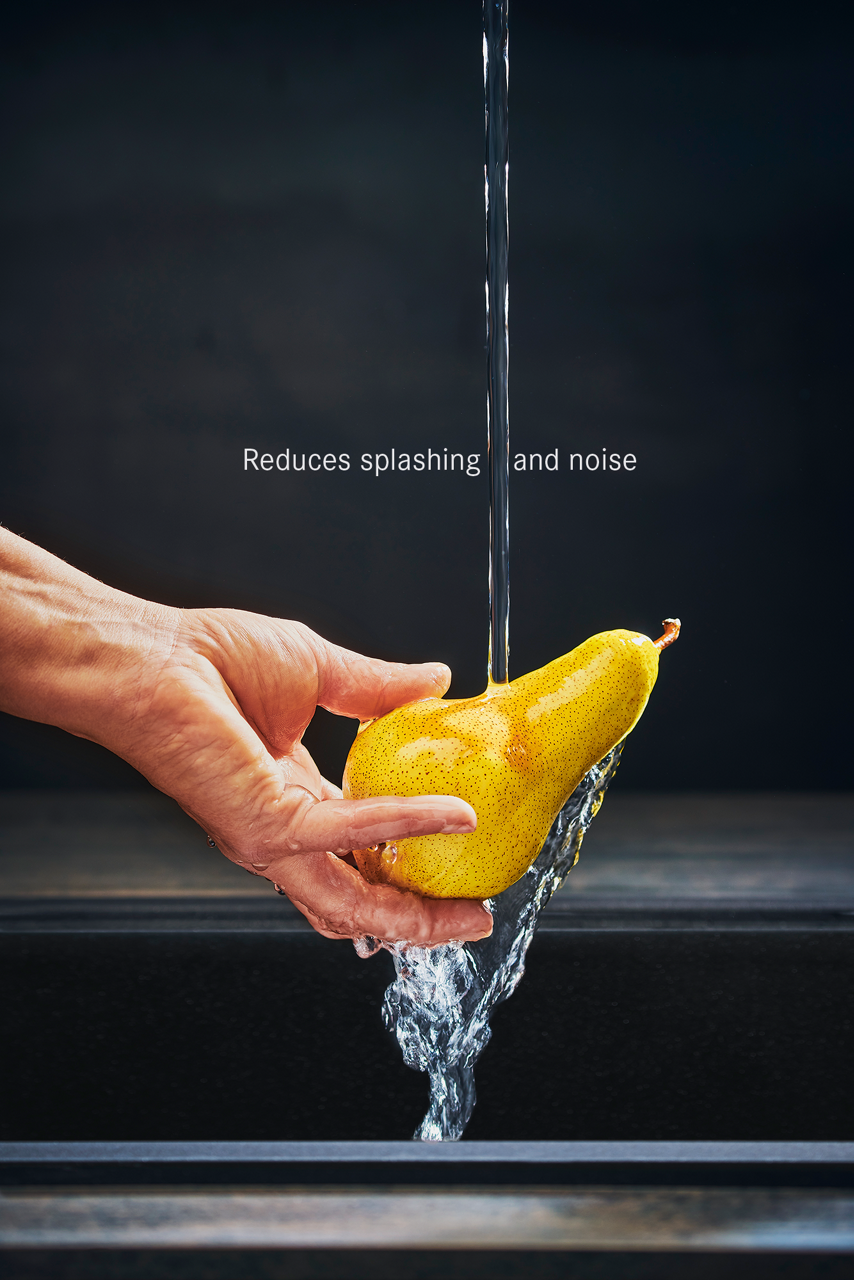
(211, 705)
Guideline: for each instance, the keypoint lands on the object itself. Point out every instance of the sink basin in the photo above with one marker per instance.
(147, 1020)
(677, 1059)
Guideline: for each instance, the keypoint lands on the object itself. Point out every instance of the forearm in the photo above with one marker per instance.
(73, 652)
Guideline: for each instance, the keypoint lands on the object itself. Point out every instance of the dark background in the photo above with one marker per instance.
(238, 225)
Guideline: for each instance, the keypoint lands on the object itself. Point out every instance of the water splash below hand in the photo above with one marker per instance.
(440, 1002)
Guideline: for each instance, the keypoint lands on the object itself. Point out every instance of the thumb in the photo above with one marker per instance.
(350, 684)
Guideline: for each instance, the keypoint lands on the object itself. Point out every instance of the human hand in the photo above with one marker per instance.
(237, 695)
(210, 705)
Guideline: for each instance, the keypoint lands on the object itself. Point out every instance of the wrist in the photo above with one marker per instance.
(73, 652)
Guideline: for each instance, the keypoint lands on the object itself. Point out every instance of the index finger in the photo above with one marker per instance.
(337, 826)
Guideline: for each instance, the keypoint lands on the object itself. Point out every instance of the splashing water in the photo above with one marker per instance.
(441, 999)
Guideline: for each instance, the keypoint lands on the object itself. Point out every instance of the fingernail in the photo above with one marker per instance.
(442, 674)
(457, 829)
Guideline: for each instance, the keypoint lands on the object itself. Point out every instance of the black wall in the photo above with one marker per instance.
(233, 226)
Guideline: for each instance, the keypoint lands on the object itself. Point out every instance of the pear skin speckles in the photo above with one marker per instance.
(515, 753)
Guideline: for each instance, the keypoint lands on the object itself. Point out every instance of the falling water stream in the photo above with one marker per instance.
(440, 1002)
(496, 79)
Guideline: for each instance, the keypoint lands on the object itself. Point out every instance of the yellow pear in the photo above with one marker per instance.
(515, 753)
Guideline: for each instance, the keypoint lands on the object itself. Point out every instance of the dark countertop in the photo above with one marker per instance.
(714, 847)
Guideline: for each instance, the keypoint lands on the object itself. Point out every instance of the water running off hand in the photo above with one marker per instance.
(440, 1002)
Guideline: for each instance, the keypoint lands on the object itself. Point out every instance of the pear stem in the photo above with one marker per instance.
(672, 627)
